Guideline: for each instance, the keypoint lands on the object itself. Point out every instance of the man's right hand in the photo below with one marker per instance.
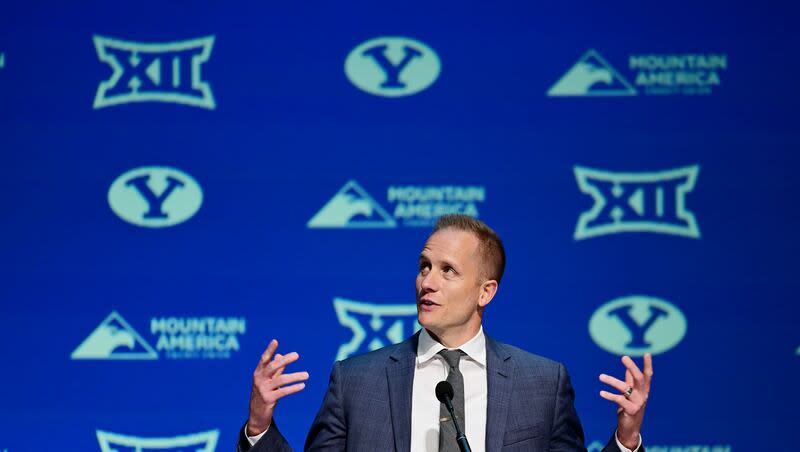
(269, 386)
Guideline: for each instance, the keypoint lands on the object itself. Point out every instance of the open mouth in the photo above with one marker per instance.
(427, 303)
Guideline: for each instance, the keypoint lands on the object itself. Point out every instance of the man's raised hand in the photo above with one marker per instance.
(271, 384)
(631, 399)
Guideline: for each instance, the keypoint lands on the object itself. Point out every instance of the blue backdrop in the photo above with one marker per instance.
(183, 181)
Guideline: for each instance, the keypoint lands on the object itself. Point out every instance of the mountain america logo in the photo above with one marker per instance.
(175, 338)
(637, 202)
(652, 74)
(592, 76)
(154, 72)
(196, 442)
(412, 206)
(114, 338)
(352, 207)
(374, 325)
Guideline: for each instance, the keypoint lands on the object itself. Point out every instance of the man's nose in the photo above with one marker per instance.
(430, 282)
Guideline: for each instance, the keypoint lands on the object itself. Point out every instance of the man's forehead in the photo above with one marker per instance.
(451, 242)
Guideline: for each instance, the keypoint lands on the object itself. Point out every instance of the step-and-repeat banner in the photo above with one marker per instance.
(182, 182)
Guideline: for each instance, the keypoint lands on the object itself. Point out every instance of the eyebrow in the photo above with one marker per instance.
(443, 263)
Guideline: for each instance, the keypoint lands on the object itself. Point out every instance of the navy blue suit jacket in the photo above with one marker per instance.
(368, 405)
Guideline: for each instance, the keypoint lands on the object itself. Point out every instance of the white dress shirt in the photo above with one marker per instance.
(430, 369)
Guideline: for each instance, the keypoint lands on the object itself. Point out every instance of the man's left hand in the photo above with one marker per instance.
(632, 399)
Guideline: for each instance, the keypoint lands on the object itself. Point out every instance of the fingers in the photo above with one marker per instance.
(288, 390)
(281, 362)
(648, 372)
(272, 365)
(280, 370)
(277, 388)
(615, 383)
(631, 367)
(620, 400)
(288, 379)
(266, 357)
(648, 369)
(271, 398)
(634, 379)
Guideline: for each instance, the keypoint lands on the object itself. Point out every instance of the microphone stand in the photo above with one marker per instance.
(461, 438)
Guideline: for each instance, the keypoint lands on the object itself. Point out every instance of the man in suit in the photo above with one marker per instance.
(505, 399)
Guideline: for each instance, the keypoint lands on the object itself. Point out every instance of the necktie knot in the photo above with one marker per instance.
(452, 357)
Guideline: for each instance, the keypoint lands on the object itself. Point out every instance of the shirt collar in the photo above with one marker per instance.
(474, 348)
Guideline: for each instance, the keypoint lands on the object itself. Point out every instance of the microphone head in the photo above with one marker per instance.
(444, 391)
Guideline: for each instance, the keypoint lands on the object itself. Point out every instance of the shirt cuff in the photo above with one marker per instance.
(619, 444)
(254, 439)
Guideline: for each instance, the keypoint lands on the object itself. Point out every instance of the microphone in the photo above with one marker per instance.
(444, 392)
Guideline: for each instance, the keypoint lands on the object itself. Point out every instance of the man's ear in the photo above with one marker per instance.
(488, 289)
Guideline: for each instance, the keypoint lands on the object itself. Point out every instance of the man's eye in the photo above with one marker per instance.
(423, 268)
(449, 270)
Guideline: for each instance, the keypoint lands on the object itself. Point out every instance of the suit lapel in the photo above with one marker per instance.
(400, 375)
(499, 376)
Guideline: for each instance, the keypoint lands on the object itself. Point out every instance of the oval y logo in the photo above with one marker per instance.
(636, 325)
(155, 196)
(392, 66)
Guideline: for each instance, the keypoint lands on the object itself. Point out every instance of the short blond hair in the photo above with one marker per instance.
(490, 245)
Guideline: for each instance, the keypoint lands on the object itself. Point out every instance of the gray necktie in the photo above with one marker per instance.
(447, 431)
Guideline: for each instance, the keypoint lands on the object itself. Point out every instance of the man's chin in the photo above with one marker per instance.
(425, 319)
(428, 320)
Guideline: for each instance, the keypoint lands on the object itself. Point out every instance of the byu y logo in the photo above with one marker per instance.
(196, 442)
(155, 196)
(374, 325)
(392, 66)
(636, 325)
(154, 72)
(637, 202)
